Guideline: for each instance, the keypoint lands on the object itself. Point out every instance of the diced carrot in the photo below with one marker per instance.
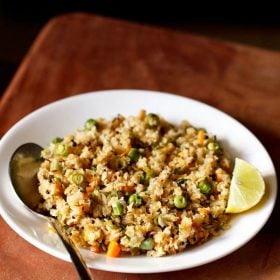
(89, 189)
(58, 188)
(114, 249)
(225, 164)
(201, 137)
(179, 215)
(204, 211)
(219, 177)
(95, 249)
(173, 251)
(85, 195)
(142, 114)
(127, 189)
(78, 210)
(81, 209)
(89, 179)
(201, 234)
(86, 208)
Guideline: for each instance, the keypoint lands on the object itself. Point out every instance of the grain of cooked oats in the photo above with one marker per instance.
(130, 171)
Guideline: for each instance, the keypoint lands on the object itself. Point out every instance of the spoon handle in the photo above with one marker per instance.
(72, 249)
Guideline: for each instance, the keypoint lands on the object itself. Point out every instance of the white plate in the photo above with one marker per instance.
(63, 117)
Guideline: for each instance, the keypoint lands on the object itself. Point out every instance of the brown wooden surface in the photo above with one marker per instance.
(79, 53)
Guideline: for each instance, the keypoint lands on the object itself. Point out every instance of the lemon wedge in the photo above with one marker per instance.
(246, 189)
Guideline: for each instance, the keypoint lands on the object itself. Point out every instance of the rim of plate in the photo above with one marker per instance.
(139, 264)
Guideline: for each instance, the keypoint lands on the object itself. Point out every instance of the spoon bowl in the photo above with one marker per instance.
(24, 164)
(23, 167)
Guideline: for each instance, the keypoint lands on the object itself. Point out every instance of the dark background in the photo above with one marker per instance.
(254, 24)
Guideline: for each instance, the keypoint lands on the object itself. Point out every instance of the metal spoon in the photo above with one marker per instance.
(24, 165)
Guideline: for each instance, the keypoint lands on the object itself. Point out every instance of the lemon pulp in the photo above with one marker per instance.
(246, 189)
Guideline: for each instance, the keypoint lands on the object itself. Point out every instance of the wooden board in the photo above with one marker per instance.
(79, 53)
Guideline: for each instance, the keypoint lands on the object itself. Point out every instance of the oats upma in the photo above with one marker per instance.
(136, 184)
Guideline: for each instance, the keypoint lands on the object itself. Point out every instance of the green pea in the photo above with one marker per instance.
(135, 199)
(90, 123)
(147, 244)
(205, 187)
(45, 153)
(56, 180)
(60, 149)
(142, 178)
(57, 140)
(180, 201)
(152, 120)
(213, 146)
(161, 144)
(146, 176)
(164, 141)
(117, 163)
(114, 193)
(117, 209)
(180, 170)
(55, 166)
(156, 220)
(149, 174)
(77, 178)
(59, 216)
(133, 155)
